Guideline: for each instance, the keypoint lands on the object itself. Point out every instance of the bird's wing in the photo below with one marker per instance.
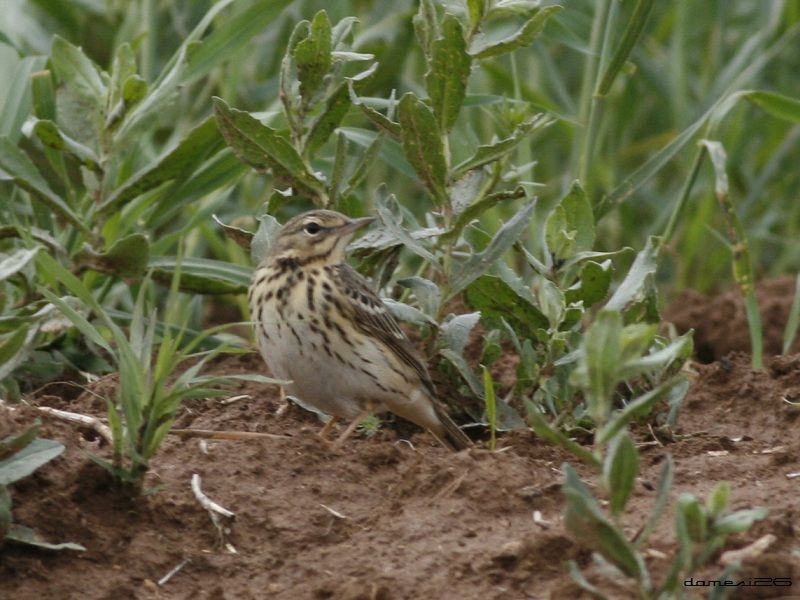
(370, 314)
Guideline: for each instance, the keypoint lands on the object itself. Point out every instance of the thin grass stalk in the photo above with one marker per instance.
(793, 322)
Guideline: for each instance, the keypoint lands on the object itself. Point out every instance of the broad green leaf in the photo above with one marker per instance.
(677, 351)
(448, 71)
(422, 143)
(635, 409)
(427, 293)
(80, 322)
(202, 275)
(336, 107)
(383, 206)
(407, 313)
(519, 39)
(242, 237)
(466, 372)
(11, 264)
(718, 499)
(579, 215)
(77, 71)
(694, 516)
(555, 436)
(181, 161)
(262, 148)
(593, 284)
(17, 167)
(25, 535)
(476, 10)
(455, 330)
(14, 443)
(268, 228)
(495, 299)
(633, 286)
(28, 459)
(477, 264)
(426, 25)
(620, 469)
(776, 105)
(49, 134)
(496, 150)
(312, 56)
(739, 521)
(590, 527)
(474, 210)
(127, 257)
(602, 349)
(12, 349)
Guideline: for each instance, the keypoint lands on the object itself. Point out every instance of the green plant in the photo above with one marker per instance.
(20, 456)
(148, 359)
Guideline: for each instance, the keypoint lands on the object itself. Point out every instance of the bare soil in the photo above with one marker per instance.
(393, 516)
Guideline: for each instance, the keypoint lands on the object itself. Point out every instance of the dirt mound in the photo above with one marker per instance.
(381, 518)
(720, 322)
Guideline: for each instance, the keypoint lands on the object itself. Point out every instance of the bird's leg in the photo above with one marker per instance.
(351, 428)
(323, 433)
(284, 404)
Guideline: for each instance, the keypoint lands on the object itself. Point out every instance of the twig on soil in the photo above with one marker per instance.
(174, 571)
(793, 475)
(92, 422)
(750, 551)
(209, 434)
(450, 487)
(233, 399)
(220, 516)
(334, 512)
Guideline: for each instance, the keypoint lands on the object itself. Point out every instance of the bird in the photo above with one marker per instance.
(319, 325)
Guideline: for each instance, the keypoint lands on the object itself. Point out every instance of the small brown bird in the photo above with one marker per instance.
(320, 325)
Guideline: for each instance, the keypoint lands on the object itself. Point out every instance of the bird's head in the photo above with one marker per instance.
(317, 236)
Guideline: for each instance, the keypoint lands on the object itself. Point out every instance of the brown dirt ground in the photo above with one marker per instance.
(382, 519)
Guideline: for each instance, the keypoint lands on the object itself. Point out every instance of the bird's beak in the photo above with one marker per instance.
(356, 224)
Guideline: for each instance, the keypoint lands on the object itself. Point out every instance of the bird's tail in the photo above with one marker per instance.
(450, 435)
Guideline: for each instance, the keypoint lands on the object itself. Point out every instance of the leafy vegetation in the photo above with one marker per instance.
(540, 165)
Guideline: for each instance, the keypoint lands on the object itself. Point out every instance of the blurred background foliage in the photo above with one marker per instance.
(149, 178)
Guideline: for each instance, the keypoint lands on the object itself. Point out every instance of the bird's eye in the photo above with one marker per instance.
(312, 228)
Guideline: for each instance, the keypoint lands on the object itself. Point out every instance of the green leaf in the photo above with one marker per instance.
(448, 71)
(635, 409)
(776, 105)
(620, 469)
(78, 320)
(662, 497)
(336, 107)
(17, 167)
(519, 39)
(479, 263)
(587, 523)
(383, 206)
(202, 275)
(407, 313)
(464, 370)
(495, 299)
(633, 287)
(454, 331)
(422, 143)
(262, 148)
(557, 437)
(631, 35)
(25, 535)
(474, 210)
(11, 264)
(602, 349)
(50, 135)
(490, 402)
(10, 348)
(312, 56)
(496, 150)
(739, 521)
(268, 228)
(580, 218)
(427, 293)
(694, 517)
(127, 257)
(15, 101)
(718, 499)
(180, 162)
(28, 459)
(77, 71)
(229, 35)
(593, 284)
